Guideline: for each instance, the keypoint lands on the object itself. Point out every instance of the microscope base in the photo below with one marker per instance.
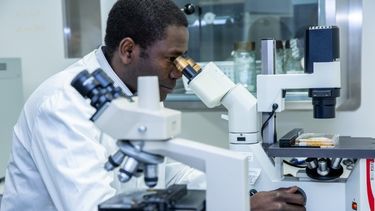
(174, 198)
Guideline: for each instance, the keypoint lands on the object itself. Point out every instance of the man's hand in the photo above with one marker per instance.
(285, 199)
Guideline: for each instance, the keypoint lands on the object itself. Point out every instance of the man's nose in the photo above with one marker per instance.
(175, 74)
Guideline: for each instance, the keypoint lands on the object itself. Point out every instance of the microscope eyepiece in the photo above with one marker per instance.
(98, 87)
(187, 66)
(83, 84)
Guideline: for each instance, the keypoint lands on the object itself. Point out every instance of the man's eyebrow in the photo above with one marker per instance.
(176, 52)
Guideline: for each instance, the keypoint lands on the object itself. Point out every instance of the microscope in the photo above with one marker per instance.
(146, 134)
(322, 179)
(323, 173)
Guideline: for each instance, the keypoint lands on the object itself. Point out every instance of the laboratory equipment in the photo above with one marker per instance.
(324, 173)
(145, 132)
(266, 169)
(214, 88)
(244, 64)
(322, 78)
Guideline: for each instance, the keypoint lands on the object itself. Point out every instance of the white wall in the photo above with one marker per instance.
(32, 31)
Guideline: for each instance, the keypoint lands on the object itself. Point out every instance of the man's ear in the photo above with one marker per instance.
(127, 50)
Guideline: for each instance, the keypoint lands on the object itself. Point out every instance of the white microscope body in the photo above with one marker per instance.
(145, 131)
(265, 173)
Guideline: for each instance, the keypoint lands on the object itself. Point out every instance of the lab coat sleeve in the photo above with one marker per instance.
(68, 154)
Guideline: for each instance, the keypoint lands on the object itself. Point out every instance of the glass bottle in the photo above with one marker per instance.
(292, 62)
(279, 60)
(244, 64)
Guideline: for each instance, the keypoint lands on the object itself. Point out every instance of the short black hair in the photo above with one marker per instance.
(144, 21)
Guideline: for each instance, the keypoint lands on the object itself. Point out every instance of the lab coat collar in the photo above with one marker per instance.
(109, 71)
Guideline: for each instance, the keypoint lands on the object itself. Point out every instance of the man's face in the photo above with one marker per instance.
(160, 57)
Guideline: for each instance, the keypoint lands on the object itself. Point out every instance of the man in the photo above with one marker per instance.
(57, 154)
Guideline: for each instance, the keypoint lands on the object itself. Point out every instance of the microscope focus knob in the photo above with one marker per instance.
(188, 9)
(142, 129)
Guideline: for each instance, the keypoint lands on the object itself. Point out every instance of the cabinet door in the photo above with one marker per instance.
(216, 25)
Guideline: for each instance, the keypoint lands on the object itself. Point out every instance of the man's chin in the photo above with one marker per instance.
(164, 91)
(163, 96)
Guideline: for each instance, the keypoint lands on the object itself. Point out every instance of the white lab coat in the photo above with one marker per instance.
(57, 155)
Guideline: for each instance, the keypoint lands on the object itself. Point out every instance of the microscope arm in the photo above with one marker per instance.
(144, 130)
(213, 87)
(270, 87)
(128, 120)
(220, 165)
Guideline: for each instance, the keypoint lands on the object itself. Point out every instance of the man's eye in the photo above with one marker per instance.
(171, 59)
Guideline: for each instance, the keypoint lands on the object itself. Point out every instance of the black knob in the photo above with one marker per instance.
(82, 84)
(102, 78)
(252, 192)
(188, 9)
